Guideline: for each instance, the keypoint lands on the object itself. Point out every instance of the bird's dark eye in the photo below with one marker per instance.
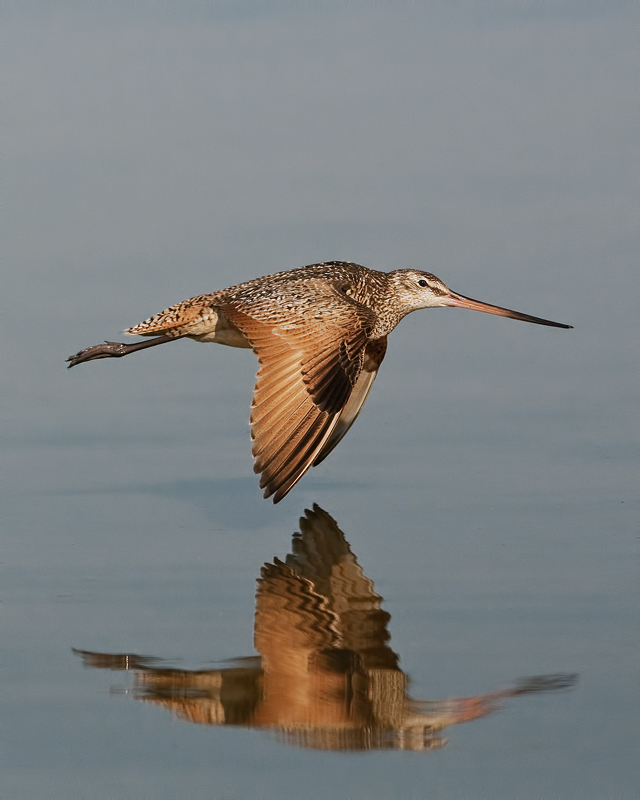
(422, 282)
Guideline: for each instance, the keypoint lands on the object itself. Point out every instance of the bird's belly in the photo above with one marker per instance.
(228, 337)
(223, 333)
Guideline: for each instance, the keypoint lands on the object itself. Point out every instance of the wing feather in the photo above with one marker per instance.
(284, 459)
(270, 417)
(309, 366)
(282, 437)
(374, 354)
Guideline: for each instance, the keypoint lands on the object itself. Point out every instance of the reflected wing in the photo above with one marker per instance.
(290, 614)
(374, 353)
(309, 365)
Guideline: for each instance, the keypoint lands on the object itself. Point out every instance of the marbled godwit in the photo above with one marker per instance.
(320, 334)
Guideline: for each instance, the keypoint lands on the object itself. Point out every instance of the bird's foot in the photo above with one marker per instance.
(106, 350)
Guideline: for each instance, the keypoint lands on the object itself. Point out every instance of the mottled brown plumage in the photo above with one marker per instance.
(320, 334)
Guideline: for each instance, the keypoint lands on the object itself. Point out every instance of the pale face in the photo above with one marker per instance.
(420, 289)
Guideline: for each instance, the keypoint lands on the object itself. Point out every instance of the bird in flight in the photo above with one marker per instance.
(320, 335)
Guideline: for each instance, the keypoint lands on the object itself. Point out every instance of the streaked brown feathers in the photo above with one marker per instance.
(306, 375)
(320, 334)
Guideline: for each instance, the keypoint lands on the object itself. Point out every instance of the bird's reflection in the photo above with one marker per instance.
(326, 676)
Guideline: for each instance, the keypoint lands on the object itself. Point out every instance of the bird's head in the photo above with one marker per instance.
(413, 289)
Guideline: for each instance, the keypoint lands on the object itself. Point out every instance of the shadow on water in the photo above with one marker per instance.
(326, 677)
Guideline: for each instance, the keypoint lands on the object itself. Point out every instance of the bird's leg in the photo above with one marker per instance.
(116, 349)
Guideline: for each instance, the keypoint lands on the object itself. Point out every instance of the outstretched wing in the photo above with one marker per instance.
(373, 355)
(309, 365)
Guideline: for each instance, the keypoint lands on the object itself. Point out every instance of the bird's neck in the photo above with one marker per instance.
(387, 311)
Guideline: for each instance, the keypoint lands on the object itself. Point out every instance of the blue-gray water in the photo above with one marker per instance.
(489, 490)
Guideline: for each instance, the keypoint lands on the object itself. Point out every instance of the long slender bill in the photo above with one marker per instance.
(460, 301)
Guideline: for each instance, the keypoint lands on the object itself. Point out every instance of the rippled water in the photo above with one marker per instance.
(446, 607)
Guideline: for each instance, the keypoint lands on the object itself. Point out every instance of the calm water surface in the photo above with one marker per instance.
(446, 607)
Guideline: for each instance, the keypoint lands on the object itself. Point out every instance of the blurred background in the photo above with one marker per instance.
(154, 151)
